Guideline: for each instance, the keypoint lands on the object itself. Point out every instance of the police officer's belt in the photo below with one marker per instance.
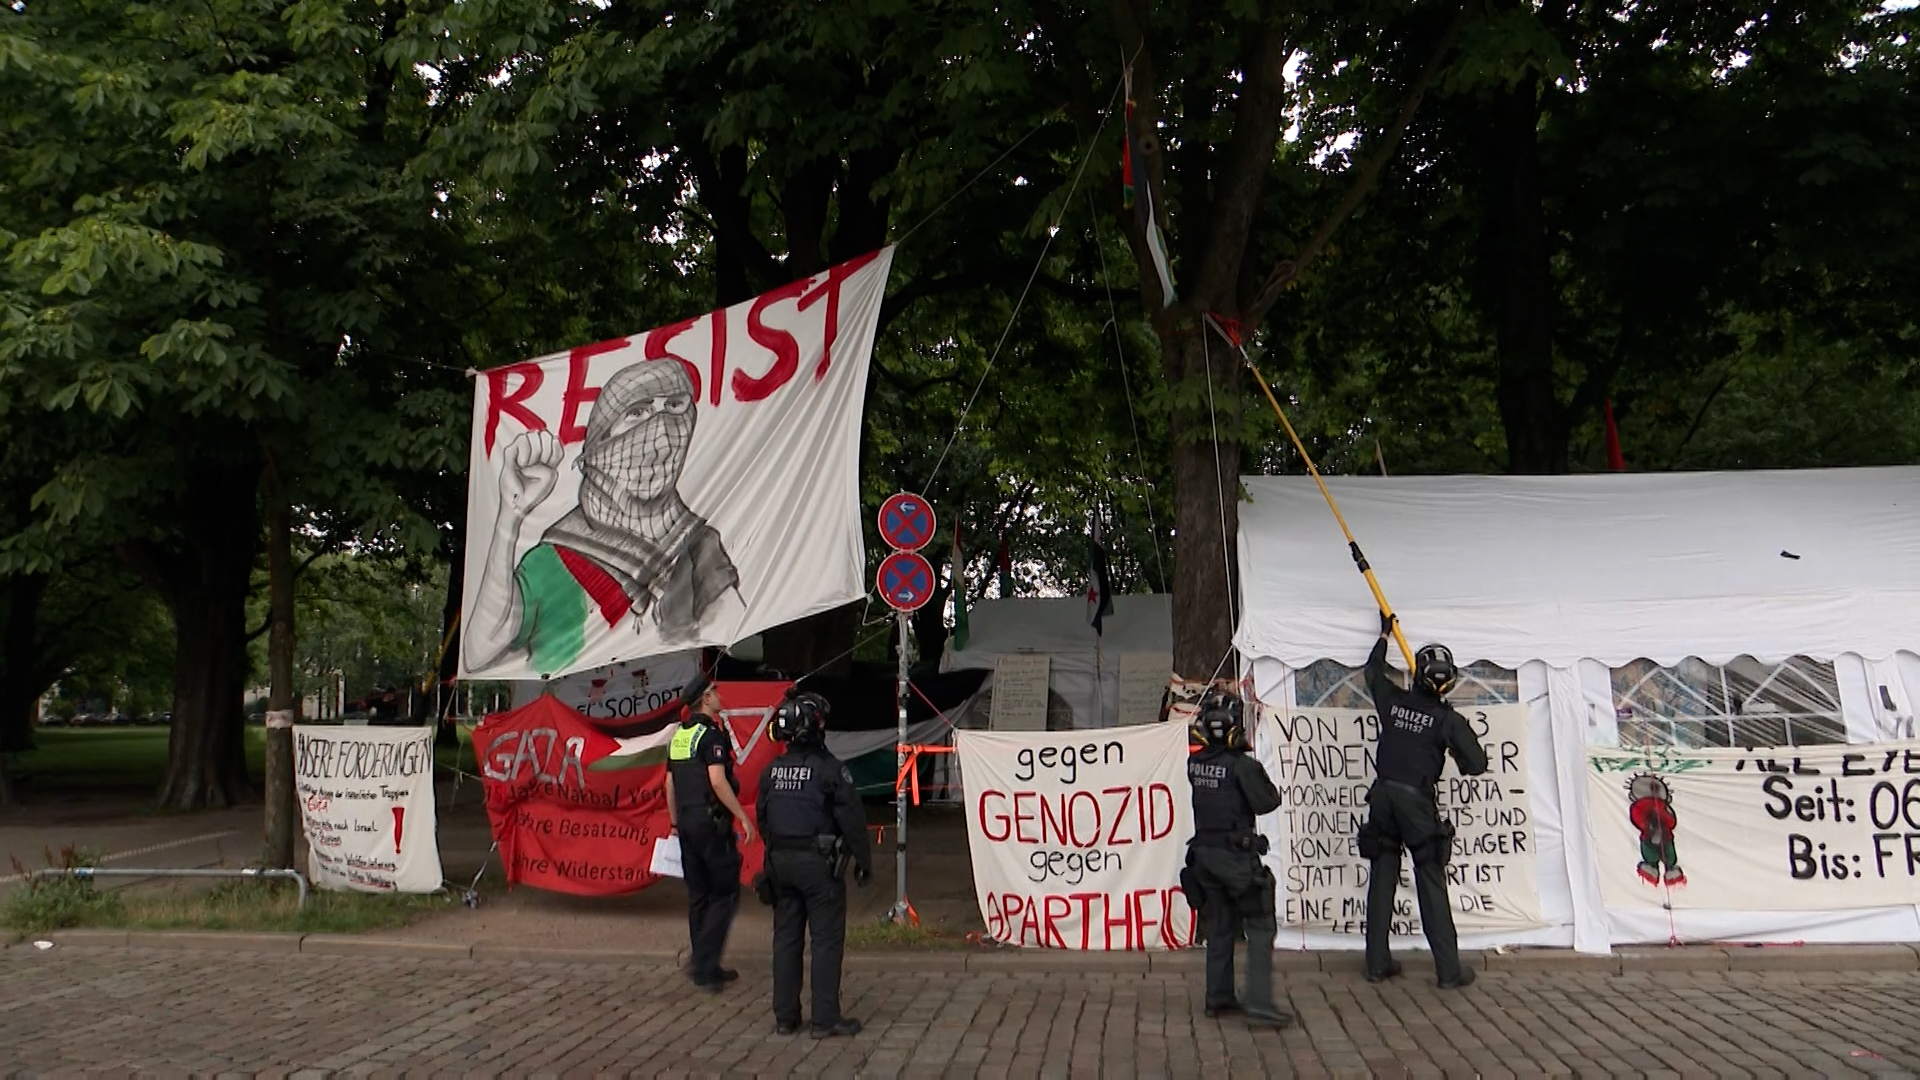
(1425, 791)
(1236, 839)
(792, 843)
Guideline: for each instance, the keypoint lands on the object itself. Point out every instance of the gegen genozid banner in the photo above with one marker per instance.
(1078, 837)
(687, 486)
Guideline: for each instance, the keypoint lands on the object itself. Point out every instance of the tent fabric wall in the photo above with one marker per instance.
(1563, 578)
(1085, 669)
(1608, 567)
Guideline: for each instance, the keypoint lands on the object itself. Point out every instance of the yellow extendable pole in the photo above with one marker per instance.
(1359, 559)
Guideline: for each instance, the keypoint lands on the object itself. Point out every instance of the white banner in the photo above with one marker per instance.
(366, 804)
(688, 486)
(1811, 828)
(1078, 838)
(618, 692)
(1323, 762)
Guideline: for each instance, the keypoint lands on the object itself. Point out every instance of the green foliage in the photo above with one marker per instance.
(58, 902)
(370, 620)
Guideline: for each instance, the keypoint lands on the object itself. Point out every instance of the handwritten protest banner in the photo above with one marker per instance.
(1323, 762)
(1020, 692)
(1789, 829)
(366, 805)
(1143, 686)
(1078, 838)
(577, 811)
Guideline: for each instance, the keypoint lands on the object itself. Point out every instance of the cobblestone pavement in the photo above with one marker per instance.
(103, 1009)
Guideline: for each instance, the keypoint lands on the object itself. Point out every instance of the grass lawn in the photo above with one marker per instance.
(240, 905)
(103, 758)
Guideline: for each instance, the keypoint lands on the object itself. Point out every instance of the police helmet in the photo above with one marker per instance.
(1221, 721)
(801, 719)
(1433, 668)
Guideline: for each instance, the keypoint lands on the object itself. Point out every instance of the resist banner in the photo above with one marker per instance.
(1077, 841)
(366, 805)
(1323, 762)
(1791, 829)
(687, 486)
(577, 811)
(619, 694)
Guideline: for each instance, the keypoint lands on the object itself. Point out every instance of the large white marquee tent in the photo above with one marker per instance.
(1573, 584)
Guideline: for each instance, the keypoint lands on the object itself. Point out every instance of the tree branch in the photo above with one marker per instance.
(1674, 458)
(1365, 177)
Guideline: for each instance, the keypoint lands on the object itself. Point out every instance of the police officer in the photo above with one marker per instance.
(705, 804)
(1225, 877)
(810, 811)
(1417, 730)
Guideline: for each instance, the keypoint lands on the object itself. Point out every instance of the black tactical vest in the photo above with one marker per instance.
(799, 793)
(1219, 806)
(1413, 739)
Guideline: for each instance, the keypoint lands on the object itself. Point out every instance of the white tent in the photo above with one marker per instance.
(1085, 667)
(1569, 582)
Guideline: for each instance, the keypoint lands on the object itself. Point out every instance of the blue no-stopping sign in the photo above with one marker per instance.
(905, 580)
(906, 522)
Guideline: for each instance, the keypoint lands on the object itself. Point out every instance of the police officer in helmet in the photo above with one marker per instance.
(810, 812)
(1225, 879)
(1417, 730)
(705, 805)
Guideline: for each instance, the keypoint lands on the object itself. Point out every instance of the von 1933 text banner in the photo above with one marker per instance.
(366, 804)
(1078, 838)
(1811, 828)
(690, 485)
(577, 811)
(1323, 762)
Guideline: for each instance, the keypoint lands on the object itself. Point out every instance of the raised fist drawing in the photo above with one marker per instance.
(531, 468)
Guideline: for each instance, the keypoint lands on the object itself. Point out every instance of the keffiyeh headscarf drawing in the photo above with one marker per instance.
(630, 547)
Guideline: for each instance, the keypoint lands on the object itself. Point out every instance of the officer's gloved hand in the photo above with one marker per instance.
(1386, 623)
(862, 875)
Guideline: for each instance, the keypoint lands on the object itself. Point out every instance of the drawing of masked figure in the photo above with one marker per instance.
(630, 545)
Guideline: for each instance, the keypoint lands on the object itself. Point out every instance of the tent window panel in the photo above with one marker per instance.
(1745, 703)
(1325, 684)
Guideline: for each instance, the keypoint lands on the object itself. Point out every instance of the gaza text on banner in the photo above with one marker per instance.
(576, 810)
(1809, 828)
(366, 805)
(1323, 762)
(687, 486)
(1077, 838)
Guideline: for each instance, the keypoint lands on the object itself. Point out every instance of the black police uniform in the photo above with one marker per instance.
(1230, 789)
(709, 854)
(1417, 730)
(809, 811)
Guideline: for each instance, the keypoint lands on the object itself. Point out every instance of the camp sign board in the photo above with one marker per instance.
(1078, 838)
(1811, 828)
(1322, 760)
(366, 806)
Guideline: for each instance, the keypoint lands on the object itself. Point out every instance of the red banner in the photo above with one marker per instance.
(577, 811)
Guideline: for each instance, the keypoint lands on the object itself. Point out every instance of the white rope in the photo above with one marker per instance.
(1139, 456)
(1052, 232)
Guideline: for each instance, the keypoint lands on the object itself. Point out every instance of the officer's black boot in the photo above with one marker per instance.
(845, 1027)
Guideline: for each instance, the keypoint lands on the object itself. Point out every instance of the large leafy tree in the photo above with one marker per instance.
(220, 255)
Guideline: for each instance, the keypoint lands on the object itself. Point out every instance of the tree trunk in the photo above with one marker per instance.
(1517, 284)
(283, 705)
(205, 576)
(1206, 509)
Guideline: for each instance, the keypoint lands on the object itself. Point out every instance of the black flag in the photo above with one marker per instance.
(1100, 588)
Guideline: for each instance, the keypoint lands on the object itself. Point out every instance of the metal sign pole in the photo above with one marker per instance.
(900, 908)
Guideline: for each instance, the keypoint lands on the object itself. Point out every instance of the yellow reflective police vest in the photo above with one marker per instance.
(684, 742)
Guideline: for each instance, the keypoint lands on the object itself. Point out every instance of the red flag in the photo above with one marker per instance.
(1615, 462)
